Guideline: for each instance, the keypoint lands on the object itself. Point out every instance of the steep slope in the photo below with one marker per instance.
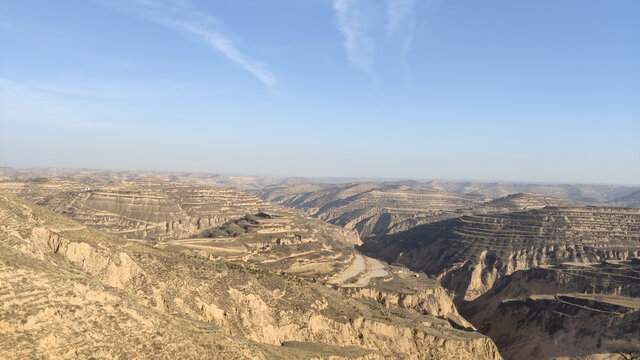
(469, 253)
(569, 310)
(373, 209)
(533, 281)
(86, 283)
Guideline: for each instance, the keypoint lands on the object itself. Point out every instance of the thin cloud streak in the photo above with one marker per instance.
(359, 46)
(357, 21)
(224, 45)
(398, 11)
(401, 18)
(181, 16)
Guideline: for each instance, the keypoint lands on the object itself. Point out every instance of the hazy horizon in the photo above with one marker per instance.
(327, 179)
(540, 92)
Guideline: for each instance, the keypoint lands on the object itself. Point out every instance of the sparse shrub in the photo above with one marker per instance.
(627, 350)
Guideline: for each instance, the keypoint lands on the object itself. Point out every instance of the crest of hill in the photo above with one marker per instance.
(525, 201)
(69, 290)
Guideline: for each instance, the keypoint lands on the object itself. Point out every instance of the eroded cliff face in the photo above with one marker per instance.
(433, 300)
(266, 312)
(567, 310)
(562, 325)
(468, 254)
(474, 278)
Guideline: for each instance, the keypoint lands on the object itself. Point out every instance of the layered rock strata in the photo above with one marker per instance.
(189, 305)
(470, 253)
(567, 310)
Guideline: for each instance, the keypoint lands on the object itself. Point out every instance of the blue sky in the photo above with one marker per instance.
(545, 90)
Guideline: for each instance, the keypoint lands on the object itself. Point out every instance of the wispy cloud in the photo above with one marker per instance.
(398, 12)
(401, 23)
(358, 43)
(181, 16)
(369, 29)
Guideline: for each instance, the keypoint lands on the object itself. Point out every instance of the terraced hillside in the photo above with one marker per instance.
(565, 310)
(583, 194)
(68, 290)
(142, 208)
(541, 283)
(470, 253)
(277, 241)
(522, 201)
(373, 209)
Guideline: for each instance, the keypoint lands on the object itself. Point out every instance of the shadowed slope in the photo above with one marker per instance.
(469, 253)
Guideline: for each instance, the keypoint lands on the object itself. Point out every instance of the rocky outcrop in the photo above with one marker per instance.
(567, 310)
(434, 300)
(562, 325)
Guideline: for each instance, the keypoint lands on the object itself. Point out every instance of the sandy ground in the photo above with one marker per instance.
(376, 269)
(357, 266)
(364, 268)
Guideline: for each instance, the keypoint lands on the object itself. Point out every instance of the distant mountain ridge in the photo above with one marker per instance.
(632, 199)
(582, 194)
